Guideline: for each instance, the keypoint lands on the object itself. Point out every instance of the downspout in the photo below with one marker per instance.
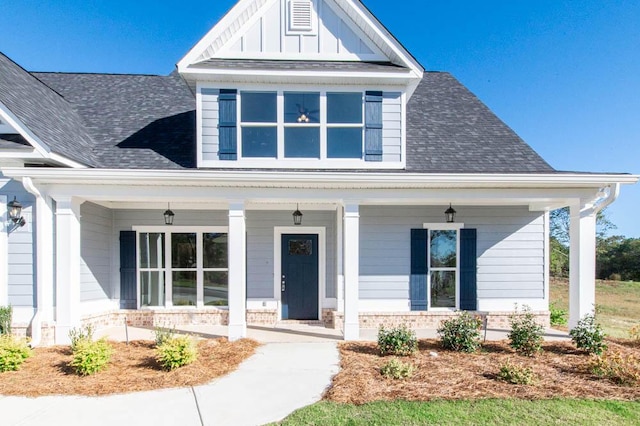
(614, 191)
(36, 322)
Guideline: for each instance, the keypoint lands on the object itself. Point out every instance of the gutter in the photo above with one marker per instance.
(614, 192)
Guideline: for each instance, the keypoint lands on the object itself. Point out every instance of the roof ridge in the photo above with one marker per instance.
(97, 73)
(34, 77)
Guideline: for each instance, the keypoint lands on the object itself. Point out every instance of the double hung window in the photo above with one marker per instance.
(443, 267)
(311, 125)
(187, 268)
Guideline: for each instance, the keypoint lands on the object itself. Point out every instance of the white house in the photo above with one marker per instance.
(172, 198)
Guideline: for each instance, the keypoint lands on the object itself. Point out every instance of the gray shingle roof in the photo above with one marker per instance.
(45, 113)
(142, 121)
(449, 130)
(137, 121)
(248, 64)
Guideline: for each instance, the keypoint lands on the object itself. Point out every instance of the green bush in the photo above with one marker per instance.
(396, 369)
(461, 334)
(623, 370)
(82, 334)
(526, 334)
(13, 351)
(558, 316)
(90, 356)
(516, 374)
(163, 334)
(397, 341)
(588, 335)
(176, 352)
(6, 315)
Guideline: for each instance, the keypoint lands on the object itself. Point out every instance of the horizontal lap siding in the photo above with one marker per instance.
(20, 248)
(260, 243)
(210, 124)
(95, 265)
(392, 126)
(510, 249)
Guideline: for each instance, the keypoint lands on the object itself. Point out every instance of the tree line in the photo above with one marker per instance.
(617, 257)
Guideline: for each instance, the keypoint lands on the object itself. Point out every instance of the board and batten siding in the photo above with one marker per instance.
(95, 244)
(260, 256)
(510, 249)
(210, 120)
(392, 126)
(21, 248)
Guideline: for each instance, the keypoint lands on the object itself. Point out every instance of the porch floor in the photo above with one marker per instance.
(293, 333)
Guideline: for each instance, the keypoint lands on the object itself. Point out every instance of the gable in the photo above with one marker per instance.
(6, 129)
(303, 30)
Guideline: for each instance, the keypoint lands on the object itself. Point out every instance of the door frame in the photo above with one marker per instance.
(278, 231)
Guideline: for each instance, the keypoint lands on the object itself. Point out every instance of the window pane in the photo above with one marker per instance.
(184, 288)
(151, 288)
(259, 142)
(300, 248)
(183, 250)
(216, 288)
(301, 107)
(443, 289)
(344, 107)
(215, 250)
(258, 107)
(443, 249)
(151, 250)
(302, 142)
(344, 142)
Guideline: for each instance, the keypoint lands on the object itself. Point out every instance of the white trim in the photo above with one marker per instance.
(547, 256)
(385, 305)
(91, 307)
(258, 304)
(4, 253)
(443, 227)
(278, 231)
(199, 156)
(303, 163)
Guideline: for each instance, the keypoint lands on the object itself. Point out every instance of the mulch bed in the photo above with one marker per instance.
(132, 368)
(561, 371)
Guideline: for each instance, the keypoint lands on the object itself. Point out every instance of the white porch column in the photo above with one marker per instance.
(67, 267)
(4, 253)
(351, 266)
(237, 272)
(339, 260)
(582, 275)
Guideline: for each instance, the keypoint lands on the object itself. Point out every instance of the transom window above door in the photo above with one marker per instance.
(311, 125)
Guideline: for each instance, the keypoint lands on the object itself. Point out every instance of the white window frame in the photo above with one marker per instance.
(443, 227)
(281, 125)
(200, 269)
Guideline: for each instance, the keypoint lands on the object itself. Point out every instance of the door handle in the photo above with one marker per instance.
(283, 284)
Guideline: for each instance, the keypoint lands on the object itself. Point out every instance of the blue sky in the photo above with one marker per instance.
(565, 75)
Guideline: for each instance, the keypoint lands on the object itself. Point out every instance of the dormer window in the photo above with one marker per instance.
(313, 125)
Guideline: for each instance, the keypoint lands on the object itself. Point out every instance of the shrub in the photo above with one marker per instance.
(526, 334)
(176, 352)
(13, 351)
(516, 374)
(90, 356)
(461, 333)
(397, 341)
(163, 334)
(558, 316)
(617, 368)
(396, 369)
(634, 333)
(82, 334)
(6, 314)
(588, 335)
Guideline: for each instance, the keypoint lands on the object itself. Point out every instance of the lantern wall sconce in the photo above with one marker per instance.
(450, 214)
(15, 212)
(297, 216)
(168, 215)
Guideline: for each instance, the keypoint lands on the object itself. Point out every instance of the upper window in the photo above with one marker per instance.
(313, 125)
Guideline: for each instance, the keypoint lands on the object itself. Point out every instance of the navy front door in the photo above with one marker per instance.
(299, 280)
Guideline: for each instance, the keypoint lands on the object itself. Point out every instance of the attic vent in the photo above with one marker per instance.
(300, 16)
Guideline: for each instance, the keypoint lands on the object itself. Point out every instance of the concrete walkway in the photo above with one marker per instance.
(278, 379)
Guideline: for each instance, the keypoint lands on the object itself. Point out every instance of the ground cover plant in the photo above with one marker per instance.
(133, 368)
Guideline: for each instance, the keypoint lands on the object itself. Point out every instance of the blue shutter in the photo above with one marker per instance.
(373, 126)
(418, 280)
(128, 273)
(227, 127)
(468, 273)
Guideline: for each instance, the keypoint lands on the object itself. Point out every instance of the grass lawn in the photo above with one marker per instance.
(617, 303)
(492, 411)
